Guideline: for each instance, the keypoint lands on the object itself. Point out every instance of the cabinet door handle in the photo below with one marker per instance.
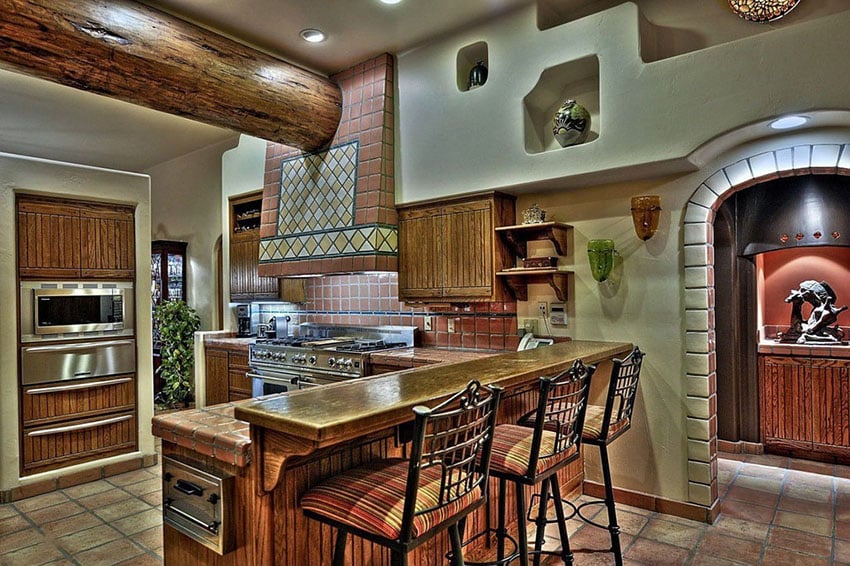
(76, 386)
(80, 346)
(73, 428)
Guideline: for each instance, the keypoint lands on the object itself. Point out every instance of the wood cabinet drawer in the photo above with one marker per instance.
(72, 442)
(47, 403)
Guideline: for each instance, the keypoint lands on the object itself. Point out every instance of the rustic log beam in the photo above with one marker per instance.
(126, 50)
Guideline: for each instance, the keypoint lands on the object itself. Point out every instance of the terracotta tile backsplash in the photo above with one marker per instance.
(372, 300)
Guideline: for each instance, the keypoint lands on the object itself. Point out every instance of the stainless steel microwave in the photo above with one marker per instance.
(71, 309)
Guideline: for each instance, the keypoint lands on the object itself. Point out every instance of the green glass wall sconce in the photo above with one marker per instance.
(600, 253)
(646, 210)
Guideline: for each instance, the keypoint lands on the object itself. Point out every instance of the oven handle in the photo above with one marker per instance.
(274, 378)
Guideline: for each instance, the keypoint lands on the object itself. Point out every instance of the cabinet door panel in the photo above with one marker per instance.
(421, 264)
(108, 242)
(245, 281)
(468, 233)
(216, 376)
(831, 402)
(48, 240)
(786, 399)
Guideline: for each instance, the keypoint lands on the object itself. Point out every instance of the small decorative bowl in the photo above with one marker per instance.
(543, 261)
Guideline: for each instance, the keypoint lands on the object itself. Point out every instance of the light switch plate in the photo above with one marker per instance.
(427, 324)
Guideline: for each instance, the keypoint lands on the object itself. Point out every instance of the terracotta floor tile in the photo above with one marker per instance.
(742, 529)
(747, 511)
(809, 492)
(13, 524)
(761, 471)
(144, 487)
(113, 552)
(7, 510)
(121, 509)
(42, 553)
(720, 544)
(130, 477)
(40, 501)
(842, 486)
(799, 541)
(797, 477)
(631, 523)
(842, 471)
(70, 525)
(672, 533)
(56, 512)
(711, 560)
(143, 560)
(20, 539)
(151, 538)
(656, 553)
(86, 489)
(812, 466)
(753, 496)
(842, 550)
(805, 523)
(89, 538)
(153, 499)
(139, 522)
(789, 558)
(768, 460)
(104, 498)
(817, 508)
(842, 530)
(768, 485)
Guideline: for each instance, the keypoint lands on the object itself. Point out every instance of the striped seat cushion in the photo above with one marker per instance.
(371, 498)
(593, 417)
(512, 450)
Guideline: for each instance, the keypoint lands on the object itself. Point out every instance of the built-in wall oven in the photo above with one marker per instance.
(70, 310)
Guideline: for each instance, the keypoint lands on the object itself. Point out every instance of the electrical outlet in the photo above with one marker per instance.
(543, 308)
(529, 325)
(428, 326)
(451, 325)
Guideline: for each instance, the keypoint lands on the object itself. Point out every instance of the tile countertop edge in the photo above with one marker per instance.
(812, 350)
(326, 416)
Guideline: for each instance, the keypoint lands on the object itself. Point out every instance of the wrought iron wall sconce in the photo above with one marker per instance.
(646, 211)
(601, 253)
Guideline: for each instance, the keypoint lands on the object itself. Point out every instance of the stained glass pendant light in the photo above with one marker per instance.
(762, 10)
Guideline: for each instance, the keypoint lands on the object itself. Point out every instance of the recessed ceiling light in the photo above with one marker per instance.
(788, 122)
(390, 1)
(313, 35)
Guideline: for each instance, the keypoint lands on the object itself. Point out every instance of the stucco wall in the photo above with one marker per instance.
(184, 201)
(19, 173)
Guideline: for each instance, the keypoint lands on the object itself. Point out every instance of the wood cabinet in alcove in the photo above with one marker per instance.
(448, 251)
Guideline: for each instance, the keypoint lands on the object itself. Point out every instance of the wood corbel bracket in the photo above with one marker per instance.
(270, 453)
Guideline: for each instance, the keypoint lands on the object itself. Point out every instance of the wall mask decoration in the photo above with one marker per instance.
(646, 211)
(600, 254)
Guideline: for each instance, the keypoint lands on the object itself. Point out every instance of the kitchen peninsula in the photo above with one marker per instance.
(301, 437)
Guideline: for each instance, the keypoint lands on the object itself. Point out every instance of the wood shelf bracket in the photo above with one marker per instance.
(517, 237)
(518, 282)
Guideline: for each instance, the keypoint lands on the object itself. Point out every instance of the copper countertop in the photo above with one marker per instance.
(327, 415)
(409, 357)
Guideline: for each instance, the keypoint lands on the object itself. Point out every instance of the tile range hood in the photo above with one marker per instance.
(333, 211)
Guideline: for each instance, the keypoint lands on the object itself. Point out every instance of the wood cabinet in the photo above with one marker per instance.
(65, 239)
(448, 251)
(245, 282)
(67, 423)
(805, 405)
(225, 376)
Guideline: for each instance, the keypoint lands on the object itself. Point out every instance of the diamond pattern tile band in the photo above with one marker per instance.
(368, 239)
(323, 186)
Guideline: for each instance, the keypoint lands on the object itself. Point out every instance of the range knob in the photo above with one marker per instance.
(331, 361)
(347, 363)
(312, 360)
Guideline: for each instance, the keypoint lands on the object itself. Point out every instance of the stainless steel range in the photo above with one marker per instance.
(320, 355)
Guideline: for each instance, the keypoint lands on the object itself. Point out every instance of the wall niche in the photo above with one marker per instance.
(578, 80)
(467, 58)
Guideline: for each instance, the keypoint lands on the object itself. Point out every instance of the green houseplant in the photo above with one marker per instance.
(177, 323)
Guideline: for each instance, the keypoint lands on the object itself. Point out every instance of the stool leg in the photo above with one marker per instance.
(501, 531)
(566, 551)
(398, 558)
(540, 531)
(613, 527)
(522, 535)
(457, 547)
(339, 548)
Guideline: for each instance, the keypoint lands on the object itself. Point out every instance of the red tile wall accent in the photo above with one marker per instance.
(367, 116)
(372, 300)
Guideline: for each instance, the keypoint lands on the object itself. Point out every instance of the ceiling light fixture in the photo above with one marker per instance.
(390, 1)
(788, 122)
(762, 10)
(313, 35)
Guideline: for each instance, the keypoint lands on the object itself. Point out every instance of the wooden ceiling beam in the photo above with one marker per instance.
(129, 51)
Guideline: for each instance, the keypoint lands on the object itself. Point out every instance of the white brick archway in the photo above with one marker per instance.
(700, 355)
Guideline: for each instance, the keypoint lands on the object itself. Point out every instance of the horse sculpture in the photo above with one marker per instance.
(824, 313)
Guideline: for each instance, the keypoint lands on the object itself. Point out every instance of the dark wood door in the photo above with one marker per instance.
(217, 377)
(786, 400)
(48, 239)
(831, 402)
(468, 236)
(108, 242)
(421, 261)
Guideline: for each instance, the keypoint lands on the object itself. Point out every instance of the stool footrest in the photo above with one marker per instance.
(509, 556)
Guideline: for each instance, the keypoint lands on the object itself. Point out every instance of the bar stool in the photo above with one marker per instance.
(528, 456)
(602, 426)
(400, 503)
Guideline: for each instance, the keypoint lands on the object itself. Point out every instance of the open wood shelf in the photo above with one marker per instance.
(517, 280)
(518, 236)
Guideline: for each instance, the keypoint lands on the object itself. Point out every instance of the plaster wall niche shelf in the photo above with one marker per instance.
(467, 58)
(578, 80)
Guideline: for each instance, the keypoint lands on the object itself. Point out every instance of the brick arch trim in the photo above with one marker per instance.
(698, 243)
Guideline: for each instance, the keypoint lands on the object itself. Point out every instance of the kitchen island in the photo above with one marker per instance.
(300, 438)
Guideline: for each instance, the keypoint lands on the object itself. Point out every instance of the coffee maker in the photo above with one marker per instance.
(243, 321)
